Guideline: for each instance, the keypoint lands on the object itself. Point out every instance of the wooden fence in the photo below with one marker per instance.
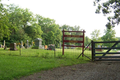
(105, 56)
(73, 41)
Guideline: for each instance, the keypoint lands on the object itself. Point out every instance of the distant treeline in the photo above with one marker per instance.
(18, 24)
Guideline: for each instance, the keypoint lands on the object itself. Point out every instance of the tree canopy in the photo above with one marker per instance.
(107, 7)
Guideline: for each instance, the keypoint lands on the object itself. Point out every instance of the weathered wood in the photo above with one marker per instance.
(106, 56)
(63, 44)
(75, 31)
(73, 41)
(103, 57)
(109, 49)
(109, 53)
(93, 50)
(73, 46)
(73, 36)
(108, 42)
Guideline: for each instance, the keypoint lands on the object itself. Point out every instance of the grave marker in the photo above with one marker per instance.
(38, 43)
(13, 46)
(21, 44)
(4, 43)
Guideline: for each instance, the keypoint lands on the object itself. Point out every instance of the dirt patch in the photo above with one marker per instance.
(89, 71)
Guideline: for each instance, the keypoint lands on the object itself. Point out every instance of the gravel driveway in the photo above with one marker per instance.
(89, 71)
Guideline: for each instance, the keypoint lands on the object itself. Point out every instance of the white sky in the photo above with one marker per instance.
(69, 12)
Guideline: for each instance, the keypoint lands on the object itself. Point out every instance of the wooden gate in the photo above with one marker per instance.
(73, 41)
(105, 56)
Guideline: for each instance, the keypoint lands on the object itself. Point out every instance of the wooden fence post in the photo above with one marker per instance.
(93, 50)
(83, 44)
(63, 43)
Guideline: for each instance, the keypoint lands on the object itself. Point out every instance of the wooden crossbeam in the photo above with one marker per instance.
(108, 50)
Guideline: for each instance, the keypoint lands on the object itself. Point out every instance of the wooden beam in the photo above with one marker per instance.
(109, 53)
(73, 36)
(109, 49)
(107, 57)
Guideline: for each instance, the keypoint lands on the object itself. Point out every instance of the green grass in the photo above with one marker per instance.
(13, 65)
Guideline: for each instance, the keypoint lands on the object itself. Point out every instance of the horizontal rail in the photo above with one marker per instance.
(72, 41)
(108, 42)
(106, 59)
(74, 31)
(109, 48)
(109, 53)
(106, 56)
(73, 46)
(73, 36)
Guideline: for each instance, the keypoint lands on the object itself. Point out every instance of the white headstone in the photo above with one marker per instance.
(4, 43)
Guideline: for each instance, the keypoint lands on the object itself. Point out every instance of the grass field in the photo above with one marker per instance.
(13, 65)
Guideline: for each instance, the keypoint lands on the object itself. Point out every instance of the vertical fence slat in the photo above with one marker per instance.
(63, 43)
(93, 50)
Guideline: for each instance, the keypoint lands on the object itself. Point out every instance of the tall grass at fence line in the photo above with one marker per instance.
(68, 53)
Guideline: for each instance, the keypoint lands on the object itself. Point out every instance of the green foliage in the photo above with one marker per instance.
(95, 35)
(4, 22)
(19, 24)
(118, 40)
(87, 40)
(109, 36)
(51, 32)
(34, 31)
(107, 7)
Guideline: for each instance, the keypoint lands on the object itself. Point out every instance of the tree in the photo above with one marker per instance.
(51, 32)
(19, 36)
(34, 31)
(107, 7)
(19, 20)
(19, 17)
(118, 43)
(87, 40)
(109, 36)
(4, 22)
(95, 35)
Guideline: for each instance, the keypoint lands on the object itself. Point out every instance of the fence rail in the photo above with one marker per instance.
(111, 57)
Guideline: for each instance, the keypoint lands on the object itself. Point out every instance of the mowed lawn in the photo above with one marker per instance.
(13, 65)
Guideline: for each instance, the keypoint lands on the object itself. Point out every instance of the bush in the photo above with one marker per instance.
(35, 47)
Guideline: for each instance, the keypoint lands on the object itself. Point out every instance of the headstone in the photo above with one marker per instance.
(51, 47)
(21, 44)
(13, 46)
(4, 43)
(32, 43)
(38, 43)
(27, 44)
(60, 45)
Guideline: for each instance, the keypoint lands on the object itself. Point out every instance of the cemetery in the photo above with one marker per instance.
(31, 43)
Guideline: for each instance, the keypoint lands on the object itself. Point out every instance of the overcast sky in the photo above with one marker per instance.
(69, 12)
